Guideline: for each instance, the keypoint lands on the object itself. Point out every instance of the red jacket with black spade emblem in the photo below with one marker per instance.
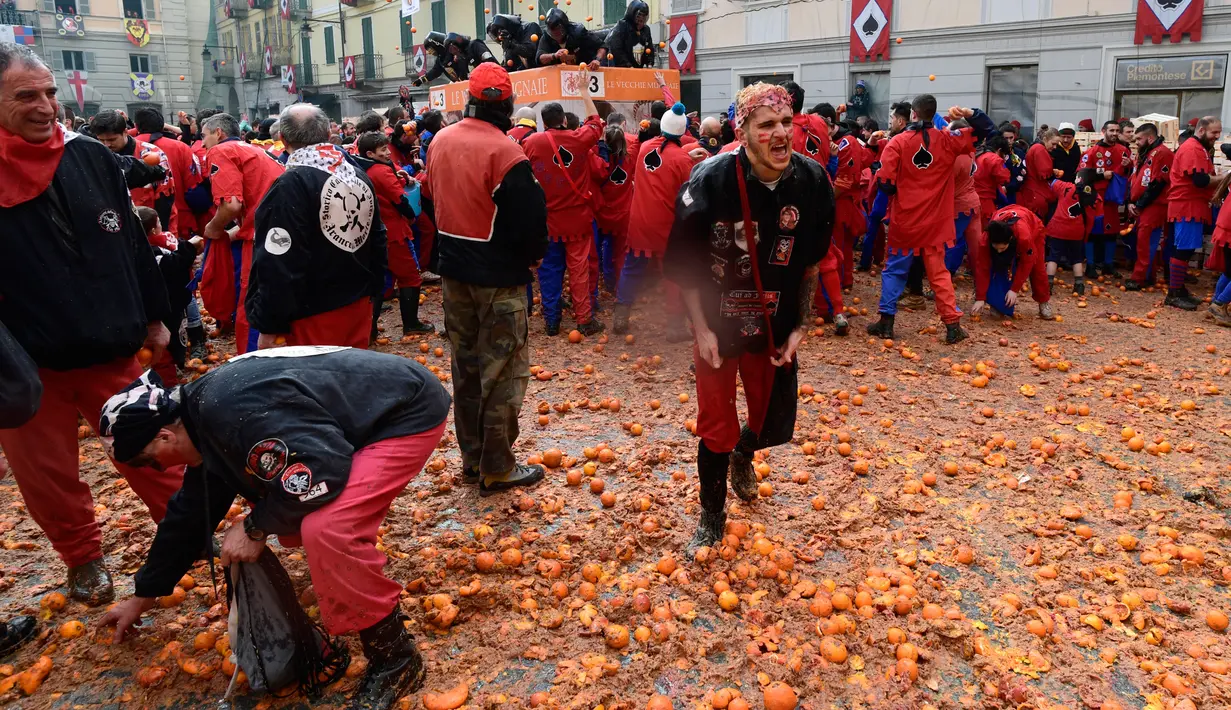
(1070, 221)
(811, 137)
(917, 171)
(561, 162)
(1189, 203)
(617, 189)
(663, 167)
(1028, 234)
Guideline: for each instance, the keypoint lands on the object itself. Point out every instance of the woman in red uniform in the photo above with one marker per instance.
(616, 188)
(1003, 257)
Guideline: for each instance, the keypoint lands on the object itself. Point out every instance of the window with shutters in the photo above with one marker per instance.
(613, 11)
(368, 43)
(73, 60)
(1012, 93)
(133, 8)
(438, 16)
(330, 55)
(67, 7)
(151, 12)
(480, 18)
(408, 38)
(139, 63)
(683, 6)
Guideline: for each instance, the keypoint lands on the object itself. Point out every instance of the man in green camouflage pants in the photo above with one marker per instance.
(491, 221)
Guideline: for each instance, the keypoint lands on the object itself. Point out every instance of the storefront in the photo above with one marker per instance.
(1189, 86)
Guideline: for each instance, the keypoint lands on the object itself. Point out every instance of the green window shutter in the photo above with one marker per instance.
(438, 16)
(480, 21)
(408, 39)
(330, 57)
(613, 11)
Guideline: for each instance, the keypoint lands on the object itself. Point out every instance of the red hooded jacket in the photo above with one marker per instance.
(561, 163)
(1029, 233)
(662, 169)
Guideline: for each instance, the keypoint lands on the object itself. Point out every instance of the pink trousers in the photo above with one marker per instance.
(340, 538)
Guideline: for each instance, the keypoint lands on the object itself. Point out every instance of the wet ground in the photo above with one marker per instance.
(1031, 519)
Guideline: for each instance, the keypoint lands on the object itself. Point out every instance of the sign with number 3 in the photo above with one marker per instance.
(570, 84)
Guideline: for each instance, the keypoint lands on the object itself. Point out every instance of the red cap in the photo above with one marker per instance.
(1016, 124)
(1193, 123)
(490, 82)
(1087, 125)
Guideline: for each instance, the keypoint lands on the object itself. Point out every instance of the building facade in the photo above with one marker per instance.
(1041, 62)
(320, 34)
(111, 54)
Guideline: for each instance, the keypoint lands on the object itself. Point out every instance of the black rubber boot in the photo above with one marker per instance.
(593, 327)
(16, 632)
(1079, 286)
(955, 333)
(552, 329)
(1177, 298)
(376, 307)
(196, 343)
(743, 479)
(709, 530)
(1131, 285)
(619, 324)
(395, 668)
(91, 583)
(712, 470)
(408, 299)
(882, 328)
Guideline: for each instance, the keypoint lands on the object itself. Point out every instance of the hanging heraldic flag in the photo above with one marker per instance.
(1176, 18)
(870, 30)
(409, 7)
(683, 44)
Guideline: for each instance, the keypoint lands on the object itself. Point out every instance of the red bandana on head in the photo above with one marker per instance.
(37, 162)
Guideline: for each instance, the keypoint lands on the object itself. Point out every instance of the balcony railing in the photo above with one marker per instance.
(233, 8)
(307, 75)
(281, 57)
(300, 9)
(368, 67)
(10, 15)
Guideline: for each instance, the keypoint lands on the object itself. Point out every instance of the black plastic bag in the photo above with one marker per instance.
(778, 426)
(272, 638)
(21, 390)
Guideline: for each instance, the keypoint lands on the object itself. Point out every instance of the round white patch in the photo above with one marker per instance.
(277, 241)
(347, 208)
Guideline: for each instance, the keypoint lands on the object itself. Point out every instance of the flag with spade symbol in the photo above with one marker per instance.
(1174, 18)
(683, 43)
(870, 30)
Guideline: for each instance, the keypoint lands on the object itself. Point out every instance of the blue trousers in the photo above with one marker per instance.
(997, 288)
(893, 281)
(605, 243)
(877, 214)
(957, 252)
(632, 276)
(551, 281)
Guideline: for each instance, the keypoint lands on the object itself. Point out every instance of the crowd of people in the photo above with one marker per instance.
(294, 235)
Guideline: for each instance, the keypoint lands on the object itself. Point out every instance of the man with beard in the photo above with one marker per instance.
(1110, 158)
(319, 441)
(455, 55)
(1149, 195)
(492, 218)
(1188, 210)
(630, 43)
(239, 174)
(1010, 252)
(184, 165)
(518, 40)
(110, 128)
(750, 227)
(917, 171)
(319, 256)
(561, 162)
(1066, 157)
(567, 43)
(81, 294)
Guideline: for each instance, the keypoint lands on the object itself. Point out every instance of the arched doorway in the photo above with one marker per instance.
(232, 102)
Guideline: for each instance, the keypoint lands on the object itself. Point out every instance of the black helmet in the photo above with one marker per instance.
(434, 42)
(459, 40)
(556, 18)
(505, 23)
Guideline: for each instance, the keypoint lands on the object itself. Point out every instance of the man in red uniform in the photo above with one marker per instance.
(110, 129)
(1078, 214)
(917, 172)
(524, 124)
(82, 295)
(1220, 259)
(850, 222)
(1035, 193)
(967, 223)
(561, 162)
(389, 183)
(1188, 209)
(991, 176)
(1110, 158)
(811, 137)
(184, 165)
(663, 166)
(1150, 193)
(319, 257)
(240, 174)
(1003, 258)
(616, 187)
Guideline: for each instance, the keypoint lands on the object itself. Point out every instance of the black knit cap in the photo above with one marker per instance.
(133, 416)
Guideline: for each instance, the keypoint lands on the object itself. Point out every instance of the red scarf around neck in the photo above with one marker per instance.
(35, 162)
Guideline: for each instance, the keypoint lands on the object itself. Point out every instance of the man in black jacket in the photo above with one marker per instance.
(630, 43)
(1067, 155)
(518, 39)
(80, 292)
(455, 56)
(318, 441)
(491, 223)
(567, 42)
(749, 298)
(319, 252)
